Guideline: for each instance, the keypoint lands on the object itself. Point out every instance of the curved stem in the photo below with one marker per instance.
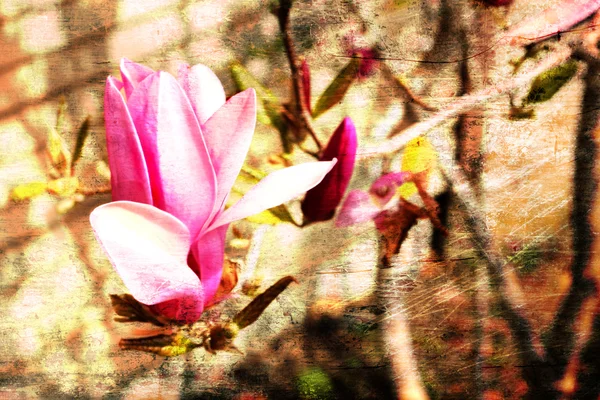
(302, 113)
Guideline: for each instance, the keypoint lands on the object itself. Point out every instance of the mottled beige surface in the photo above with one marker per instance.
(57, 337)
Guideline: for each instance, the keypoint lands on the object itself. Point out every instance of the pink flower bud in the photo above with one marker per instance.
(321, 202)
(368, 58)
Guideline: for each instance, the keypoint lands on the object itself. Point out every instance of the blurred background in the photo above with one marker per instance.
(325, 337)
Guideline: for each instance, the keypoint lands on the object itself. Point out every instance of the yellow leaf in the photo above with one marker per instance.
(272, 216)
(64, 187)
(264, 217)
(419, 156)
(103, 170)
(60, 156)
(28, 190)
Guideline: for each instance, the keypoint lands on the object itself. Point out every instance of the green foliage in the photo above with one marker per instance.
(531, 256)
(314, 383)
(268, 108)
(336, 91)
(528, 259)
(361, 329)
(548, 83)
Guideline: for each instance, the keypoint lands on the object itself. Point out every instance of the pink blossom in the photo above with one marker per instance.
(175, 148)
(361, 206)
(321, 201)
(368, 58)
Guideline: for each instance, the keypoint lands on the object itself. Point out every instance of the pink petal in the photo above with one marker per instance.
(181, 174)
(277, 188)
(117, 83)
(228, 134)
(203, 88)
(129, 175)
(132, 74)
(357, 208)
(149, 249)
(209, 253)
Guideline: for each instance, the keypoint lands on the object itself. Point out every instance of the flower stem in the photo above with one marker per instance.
(302, 113)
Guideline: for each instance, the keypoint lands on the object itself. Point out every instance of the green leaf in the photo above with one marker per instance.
(28, 191)
(60, 156)
(314, 383)
(252, 311)
(336, 91)
(268, 108)
(82, 134)
(545, 85)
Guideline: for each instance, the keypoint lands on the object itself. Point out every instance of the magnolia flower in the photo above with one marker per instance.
(321, 201)
(175, 148)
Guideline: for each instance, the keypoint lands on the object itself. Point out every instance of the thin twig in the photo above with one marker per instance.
(302, 114)
(402, 87)
(88, 191)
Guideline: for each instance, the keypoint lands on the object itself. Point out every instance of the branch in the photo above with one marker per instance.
(302, 113)
(520, 328)
(463, 104)
(561, 335)
(587, 378)
(396, 334)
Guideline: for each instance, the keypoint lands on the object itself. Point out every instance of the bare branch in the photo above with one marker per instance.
(519, 325)
(561, 335)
